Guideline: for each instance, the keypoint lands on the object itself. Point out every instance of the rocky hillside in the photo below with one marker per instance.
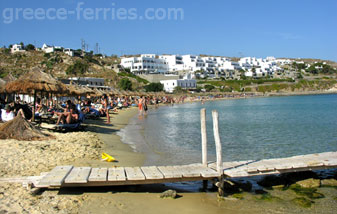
(57, 64)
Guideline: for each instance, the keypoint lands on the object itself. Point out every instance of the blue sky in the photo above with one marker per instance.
(284, 28)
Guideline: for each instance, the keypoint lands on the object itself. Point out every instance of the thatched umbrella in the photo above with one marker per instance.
(20, 129)
(33, 81)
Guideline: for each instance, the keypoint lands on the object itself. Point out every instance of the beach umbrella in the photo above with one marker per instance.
(34, 81)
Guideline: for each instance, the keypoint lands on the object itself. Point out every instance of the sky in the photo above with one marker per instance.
(234, 28)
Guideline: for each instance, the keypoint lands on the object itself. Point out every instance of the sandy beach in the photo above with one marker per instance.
(23, 158)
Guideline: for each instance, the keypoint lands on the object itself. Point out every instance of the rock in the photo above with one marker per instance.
(169, 194)
(329, 182)
(303, 202)
(278, 187)
(309, 183)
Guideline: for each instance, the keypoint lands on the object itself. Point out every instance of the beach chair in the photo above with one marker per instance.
(73, 126)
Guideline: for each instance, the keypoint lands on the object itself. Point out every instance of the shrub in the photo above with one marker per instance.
(125, 84)
(154, 87)
(209, 87)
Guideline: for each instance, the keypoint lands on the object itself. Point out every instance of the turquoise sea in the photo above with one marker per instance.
(250, 129)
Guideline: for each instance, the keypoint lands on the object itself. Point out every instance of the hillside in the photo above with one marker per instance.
(57, 64)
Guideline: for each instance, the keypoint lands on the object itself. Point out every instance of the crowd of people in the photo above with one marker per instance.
(70, 111)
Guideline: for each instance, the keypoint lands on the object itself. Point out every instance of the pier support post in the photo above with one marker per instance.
(203, 136)
(204, 143)
(219, 164)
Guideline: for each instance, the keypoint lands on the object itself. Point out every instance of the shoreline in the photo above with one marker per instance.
(109, 134)
(84, 149)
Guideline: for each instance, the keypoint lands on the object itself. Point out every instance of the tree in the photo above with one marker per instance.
(154, 87)
(30, 47)
(125, 84)
(178, 90)
(209, 87)
(77, 69)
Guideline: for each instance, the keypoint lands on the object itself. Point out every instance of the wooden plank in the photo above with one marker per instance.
(56, 177)
(206, 172)
(98, 174)
(188, 171)
(152, 172)
(134, 173)
(116, 174)
(78, 175)
(170, 172)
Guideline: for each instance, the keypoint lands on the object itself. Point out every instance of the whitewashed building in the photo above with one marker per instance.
(186, 83)
(17, 48)
(69, 51)
(48, 49)
(145, 63)
(174, 62)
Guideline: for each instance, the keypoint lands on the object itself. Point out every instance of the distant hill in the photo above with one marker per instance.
(58, 62)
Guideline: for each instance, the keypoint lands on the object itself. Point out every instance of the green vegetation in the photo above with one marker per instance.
(266, 197)
(209, 87)
(29, 47)
(178, 90)
(77, 69)
(3, 73)
(308, 192)
(154, 87)
(303, 202)
(238, 196)
(125, 84)
(320, 68)
(127, 74)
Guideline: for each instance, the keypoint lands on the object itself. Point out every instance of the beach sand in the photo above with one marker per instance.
(21, 158)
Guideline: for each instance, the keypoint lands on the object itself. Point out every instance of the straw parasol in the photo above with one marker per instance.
(33, 81)
(20, 129)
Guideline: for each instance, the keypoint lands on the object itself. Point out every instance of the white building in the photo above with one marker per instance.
(170, 85)
(174, 62)
(258, 67)
(48, 49)
(186, 83)
(17, 48)
(69, 52)
(145, 63)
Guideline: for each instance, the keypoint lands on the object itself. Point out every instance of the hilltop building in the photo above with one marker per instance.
(17, 48)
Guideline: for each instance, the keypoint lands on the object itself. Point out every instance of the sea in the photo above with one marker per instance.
(250, 129)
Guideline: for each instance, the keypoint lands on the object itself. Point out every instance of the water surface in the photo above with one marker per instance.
(250, 129)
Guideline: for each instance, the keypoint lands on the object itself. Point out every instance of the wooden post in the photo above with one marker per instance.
(217, 142)
(34, 103)
(203, 136)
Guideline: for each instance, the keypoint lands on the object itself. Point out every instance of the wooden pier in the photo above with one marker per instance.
(70, 176)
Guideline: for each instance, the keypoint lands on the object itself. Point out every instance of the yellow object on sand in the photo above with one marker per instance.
(108, 158)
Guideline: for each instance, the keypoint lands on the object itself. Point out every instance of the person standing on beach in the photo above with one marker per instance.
(140, 106)
(106, 107)
(145, 105)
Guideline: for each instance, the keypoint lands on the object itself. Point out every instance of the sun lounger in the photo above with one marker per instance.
(73, 126)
